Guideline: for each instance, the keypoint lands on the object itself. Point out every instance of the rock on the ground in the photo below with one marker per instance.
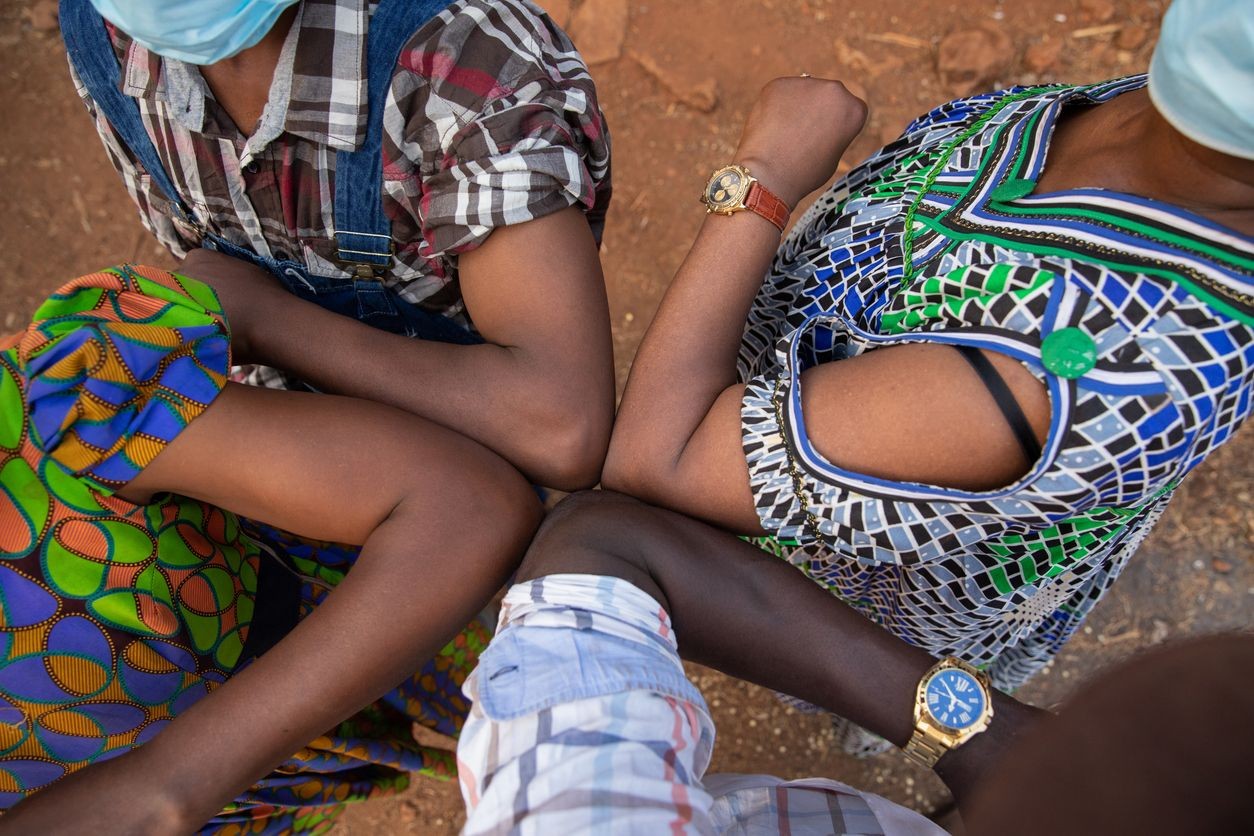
(1097, 11)
(684, 81)
(971, 60)
(1132, 37)
(851, 60)
(42, 15)
(1042, 57)
(558, 11)
(599, 29)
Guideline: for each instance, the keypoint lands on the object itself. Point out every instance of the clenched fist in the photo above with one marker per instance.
(796, 133)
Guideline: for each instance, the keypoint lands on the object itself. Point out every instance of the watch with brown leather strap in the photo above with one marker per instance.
(733, 189)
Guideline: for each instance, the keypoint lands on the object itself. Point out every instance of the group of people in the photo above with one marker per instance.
(256, 513)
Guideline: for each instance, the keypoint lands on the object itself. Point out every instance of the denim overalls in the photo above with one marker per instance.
(362, 230)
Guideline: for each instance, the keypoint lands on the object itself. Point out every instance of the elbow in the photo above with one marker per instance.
(570, 451)
(630, 471)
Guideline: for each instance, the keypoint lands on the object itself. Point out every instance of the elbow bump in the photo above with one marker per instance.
(616, 475)
(575, 454)
(629, 474)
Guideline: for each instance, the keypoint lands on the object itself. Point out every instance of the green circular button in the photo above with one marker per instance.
(1069, 353)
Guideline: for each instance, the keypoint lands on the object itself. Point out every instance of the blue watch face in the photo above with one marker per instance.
(955, 699)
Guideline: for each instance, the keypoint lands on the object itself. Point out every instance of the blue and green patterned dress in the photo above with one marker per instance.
(1136, 316)
(114, 617)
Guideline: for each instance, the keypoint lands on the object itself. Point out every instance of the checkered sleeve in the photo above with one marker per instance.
(498, 117)
(153, 208)
(583, 720)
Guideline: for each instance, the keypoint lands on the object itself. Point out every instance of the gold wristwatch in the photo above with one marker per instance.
(952, 704)
(733, 189)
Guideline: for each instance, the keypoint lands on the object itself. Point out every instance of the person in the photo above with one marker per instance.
(963, 389)
(438, 173)
(172, 658)
(583, 720)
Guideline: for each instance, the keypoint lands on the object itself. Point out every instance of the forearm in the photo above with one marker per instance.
(744, 613)
(493, 394)
(760, 619)
(792, 142)
(539, 391)
(393, 611)
(688, 356)
(414, 494)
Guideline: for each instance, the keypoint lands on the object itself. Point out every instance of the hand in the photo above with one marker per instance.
(796, 133)
(249, 296)
(964, 769)
(130, 794)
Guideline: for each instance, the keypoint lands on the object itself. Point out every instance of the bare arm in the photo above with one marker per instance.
(419, 497)
(677, 438)
(742, 612)
(540, 391)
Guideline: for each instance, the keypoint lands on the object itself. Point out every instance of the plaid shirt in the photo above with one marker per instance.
(583, 722)
(491, 120)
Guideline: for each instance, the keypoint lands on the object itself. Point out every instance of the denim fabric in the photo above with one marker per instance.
(362, 229)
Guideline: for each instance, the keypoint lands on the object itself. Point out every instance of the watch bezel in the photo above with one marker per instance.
(930, 724)
(934, 720)
(735, 201)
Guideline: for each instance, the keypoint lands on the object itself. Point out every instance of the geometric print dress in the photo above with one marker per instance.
(1135, 315)
(114, 617)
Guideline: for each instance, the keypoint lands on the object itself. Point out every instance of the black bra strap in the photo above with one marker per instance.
(1006, 401)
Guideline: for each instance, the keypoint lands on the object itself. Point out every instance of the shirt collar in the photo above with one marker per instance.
(318, 92)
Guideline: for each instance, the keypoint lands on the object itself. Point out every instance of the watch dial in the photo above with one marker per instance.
(725, 188)
(955, 699)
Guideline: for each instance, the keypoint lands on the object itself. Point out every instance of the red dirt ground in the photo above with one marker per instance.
(676, 95)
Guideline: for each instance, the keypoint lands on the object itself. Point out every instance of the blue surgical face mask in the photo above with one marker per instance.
(1202, 74)
(196, 31)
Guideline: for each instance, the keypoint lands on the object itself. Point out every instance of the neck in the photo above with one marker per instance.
(1180, 171)
(241, 83)
(262, 55)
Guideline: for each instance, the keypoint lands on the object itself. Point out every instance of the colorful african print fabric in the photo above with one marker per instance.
(1134, 314)
(118, 617)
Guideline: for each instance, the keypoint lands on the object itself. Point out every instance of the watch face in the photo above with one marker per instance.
(955, 699)
(726, 189)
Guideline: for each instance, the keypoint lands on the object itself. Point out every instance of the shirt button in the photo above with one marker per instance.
(251, 168)
(1013, 190)
(1069, 353)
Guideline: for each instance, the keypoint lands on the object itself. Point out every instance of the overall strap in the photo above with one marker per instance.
(91, 53)
(363, 233)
